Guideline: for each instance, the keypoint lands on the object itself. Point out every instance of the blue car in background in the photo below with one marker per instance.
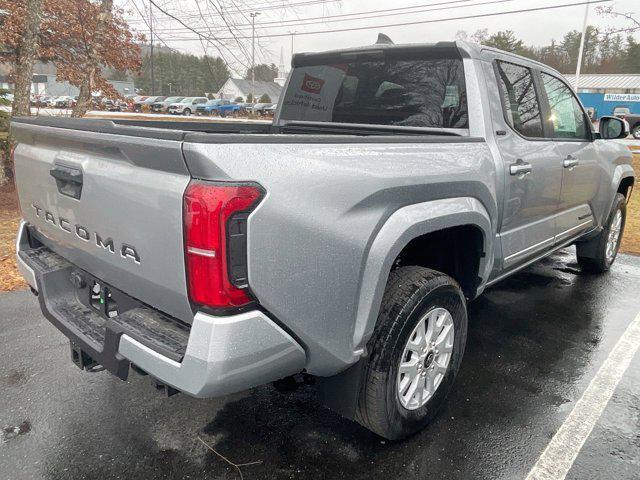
(218, 107)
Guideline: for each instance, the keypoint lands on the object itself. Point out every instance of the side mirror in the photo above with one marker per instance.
(613, 127)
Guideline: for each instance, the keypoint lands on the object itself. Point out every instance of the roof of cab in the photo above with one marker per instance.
(464, 49)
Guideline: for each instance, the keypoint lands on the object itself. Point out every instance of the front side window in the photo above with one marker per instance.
(521, 105)
(412, 90)
(567, 117)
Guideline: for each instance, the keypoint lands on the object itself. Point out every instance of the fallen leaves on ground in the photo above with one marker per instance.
(10, 278)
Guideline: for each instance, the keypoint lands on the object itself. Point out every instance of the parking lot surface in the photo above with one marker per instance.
(535, 343)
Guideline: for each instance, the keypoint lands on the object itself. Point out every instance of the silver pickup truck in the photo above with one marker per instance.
(342, 241)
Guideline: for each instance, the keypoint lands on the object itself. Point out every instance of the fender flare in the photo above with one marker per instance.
(400, 228)
(619, 174)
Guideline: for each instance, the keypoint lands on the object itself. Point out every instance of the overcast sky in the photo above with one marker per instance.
(535, 28)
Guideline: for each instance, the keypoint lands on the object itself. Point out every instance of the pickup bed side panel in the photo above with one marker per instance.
(309, 239)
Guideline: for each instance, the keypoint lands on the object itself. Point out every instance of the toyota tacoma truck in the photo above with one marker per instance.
(341, 242)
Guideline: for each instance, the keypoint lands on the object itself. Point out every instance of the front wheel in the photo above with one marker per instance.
(598, 254)
(186, 112)
(636, 132)
(414, 354)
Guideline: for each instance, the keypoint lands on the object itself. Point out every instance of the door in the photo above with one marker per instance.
(533, 174)
(576, 152)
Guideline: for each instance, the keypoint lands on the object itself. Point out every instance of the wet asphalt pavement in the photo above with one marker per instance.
(535, 341)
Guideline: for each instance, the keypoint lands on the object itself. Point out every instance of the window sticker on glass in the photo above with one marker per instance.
(312, 92)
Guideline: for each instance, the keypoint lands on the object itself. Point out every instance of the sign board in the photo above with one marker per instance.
(312, 92)
(622, 97)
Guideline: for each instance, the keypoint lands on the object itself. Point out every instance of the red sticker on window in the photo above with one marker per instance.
(312, 84)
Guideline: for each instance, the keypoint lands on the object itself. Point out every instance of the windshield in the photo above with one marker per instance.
(422, 89)
(173, 99)
(188, 100)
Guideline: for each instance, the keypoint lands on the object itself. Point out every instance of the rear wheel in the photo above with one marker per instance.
(598, 254)
(414, 354)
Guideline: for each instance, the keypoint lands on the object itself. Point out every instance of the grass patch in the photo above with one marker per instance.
(631, 238)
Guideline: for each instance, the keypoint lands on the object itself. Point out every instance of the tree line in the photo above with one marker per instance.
(181, 73)
(604, 52)
(177, 73)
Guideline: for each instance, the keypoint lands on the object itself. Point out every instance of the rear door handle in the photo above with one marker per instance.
(570, 162)
(520, 168)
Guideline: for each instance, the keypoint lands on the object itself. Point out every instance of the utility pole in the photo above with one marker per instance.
(581, 51)
(253, 16)
(153, 79)
(292, 35)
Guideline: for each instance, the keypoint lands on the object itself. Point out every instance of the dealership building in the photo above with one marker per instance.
(47, 84)
(602, 93)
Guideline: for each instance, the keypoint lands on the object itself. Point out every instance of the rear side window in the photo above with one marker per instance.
(567, 116)
(405, 90)
(521, 104)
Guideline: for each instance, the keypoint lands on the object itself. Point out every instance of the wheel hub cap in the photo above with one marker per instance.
(614, 235)
(425, 358)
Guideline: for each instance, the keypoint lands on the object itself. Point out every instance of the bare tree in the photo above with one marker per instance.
(26, 58)
(94, 59)
(633, 22)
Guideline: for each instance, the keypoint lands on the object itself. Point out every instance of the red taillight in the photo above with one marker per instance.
(208, 210)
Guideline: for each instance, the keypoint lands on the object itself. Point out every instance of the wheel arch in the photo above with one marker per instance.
(626, 186)
(400, 232)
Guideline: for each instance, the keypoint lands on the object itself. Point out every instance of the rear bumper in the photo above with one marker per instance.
(212, 357)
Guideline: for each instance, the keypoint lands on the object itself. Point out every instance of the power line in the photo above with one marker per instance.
(289, 5)
(418, 22)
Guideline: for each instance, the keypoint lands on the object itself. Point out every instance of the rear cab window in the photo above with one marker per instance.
(395, 87)
(521, 104)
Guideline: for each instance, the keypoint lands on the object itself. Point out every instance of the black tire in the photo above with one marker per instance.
(592, 255)
(187, 112)
(411, 292)
(635, 131)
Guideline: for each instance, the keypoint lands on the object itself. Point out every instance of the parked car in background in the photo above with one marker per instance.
(65, 101)
(137, 99)
(8, 97)
(39, 100)
(218, 107)
(620, 112)
(270, 110)
(160, 106)
(186, 106)
(146, 102)
(633, 119)
(258, 108)
(114, 105)
(244, 108)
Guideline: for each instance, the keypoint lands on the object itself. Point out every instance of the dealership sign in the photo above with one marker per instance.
(622, 97)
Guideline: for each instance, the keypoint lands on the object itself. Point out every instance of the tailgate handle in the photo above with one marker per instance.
(68, 180)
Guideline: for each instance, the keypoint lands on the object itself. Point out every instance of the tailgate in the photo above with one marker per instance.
(110, 203)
